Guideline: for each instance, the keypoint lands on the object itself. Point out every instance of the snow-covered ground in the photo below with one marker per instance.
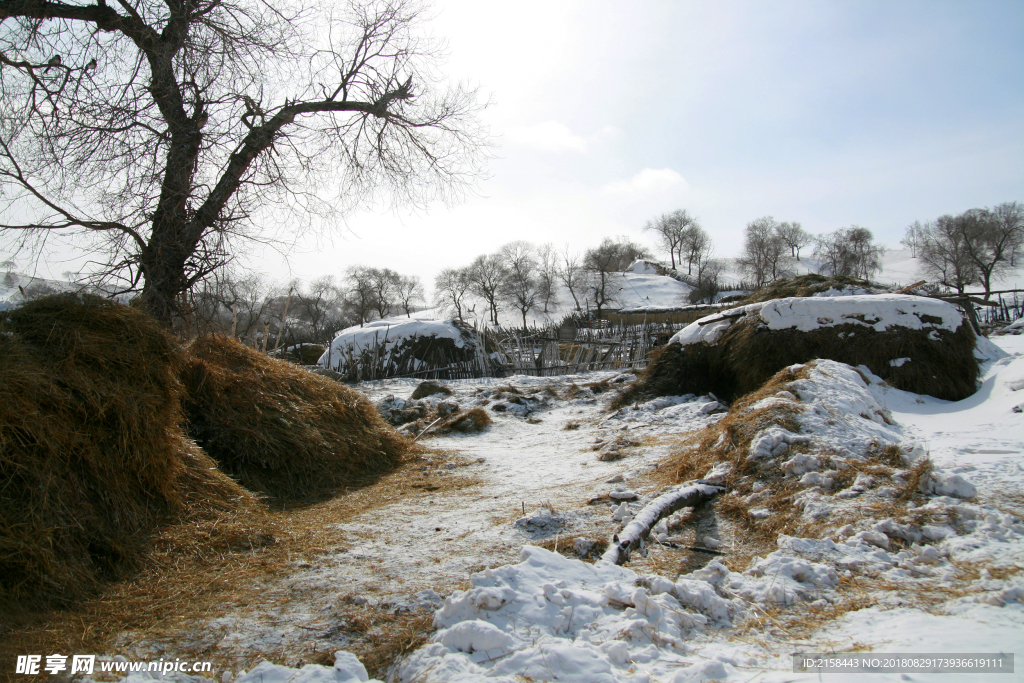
(562, 468)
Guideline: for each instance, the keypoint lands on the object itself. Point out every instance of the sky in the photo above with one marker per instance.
(606, 114)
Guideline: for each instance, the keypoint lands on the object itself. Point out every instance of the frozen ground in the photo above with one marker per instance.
(952, 582)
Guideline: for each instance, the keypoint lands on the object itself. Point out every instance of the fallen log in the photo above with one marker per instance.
(636, 532)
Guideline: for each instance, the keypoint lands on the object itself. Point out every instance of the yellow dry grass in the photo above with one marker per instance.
(278, 428)
(93, 459)
(198, 570)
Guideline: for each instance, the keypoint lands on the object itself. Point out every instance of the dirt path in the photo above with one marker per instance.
(364, 571)
(373, 575)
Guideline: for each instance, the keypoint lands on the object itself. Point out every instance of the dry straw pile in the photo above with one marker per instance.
(746, 355)
(762, 482)
(92, 458)
(809, 285)
(278, 428)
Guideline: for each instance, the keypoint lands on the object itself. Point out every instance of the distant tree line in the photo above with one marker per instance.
(771, 250)
(259, 311)
(523, 277)
(955, 251)
(971, 248)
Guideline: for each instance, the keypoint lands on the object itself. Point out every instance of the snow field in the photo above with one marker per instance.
(554, 618)
(873, 568)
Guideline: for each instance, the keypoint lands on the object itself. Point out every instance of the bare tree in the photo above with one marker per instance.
(603, 262)
(319, 306)
(251, 300)
(695, 246)
(162, 128)
(487, 276)
(547, 274)
(990, 237)
(385, 283)
(360, 295)
(764, 256)
(944, 255)
(707, 282)
(629, 252)
(671, 230)
(521, 288)
(410, 290)
(794, 236)
(451, 286)
(913, 237)
(850, 252)
(571, 273)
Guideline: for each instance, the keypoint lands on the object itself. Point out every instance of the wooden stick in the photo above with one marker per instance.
(637, 531)
(913, 286)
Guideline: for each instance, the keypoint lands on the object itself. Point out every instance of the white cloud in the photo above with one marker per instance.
(649, 180)
(550, 136)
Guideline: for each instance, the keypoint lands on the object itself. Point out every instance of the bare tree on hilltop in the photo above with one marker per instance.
(764, 257)
(972, 247)
(451, 286)
(385, 284)
(360, 296)
(849, 251)
(671, 229)
(913, 238)
(168, 130)
(603, 262)
(409, 291)
(521, 287)
(794, 236)
(487, 276)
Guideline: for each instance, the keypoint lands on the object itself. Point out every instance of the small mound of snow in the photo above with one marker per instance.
(985, 350)
(941, 484)
(347, 669)
(475, 636)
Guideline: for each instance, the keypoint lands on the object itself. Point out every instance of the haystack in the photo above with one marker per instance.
(914, 343)
(93, 458)
(811, 446)
(814, 284)
(406, 346)
(278, 428)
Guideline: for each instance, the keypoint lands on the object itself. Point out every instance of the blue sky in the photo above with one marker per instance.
(606, 114)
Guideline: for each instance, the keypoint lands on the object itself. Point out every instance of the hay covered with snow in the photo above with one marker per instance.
(797, 452)
(815, 284)
(387, 348)
(94, 460)
(278, 428)
(916, 344)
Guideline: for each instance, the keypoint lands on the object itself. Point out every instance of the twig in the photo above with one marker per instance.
(428, 427)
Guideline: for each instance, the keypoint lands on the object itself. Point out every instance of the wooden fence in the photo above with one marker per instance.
(505, 352)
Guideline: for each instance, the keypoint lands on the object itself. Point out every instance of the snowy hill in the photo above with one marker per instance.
(648, 290)
(14, 286)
